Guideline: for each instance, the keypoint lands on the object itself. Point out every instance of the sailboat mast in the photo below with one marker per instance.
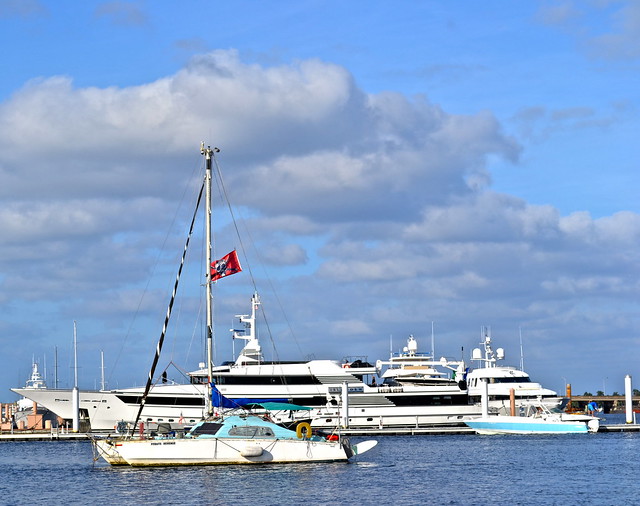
(75, 355)
(208, 155)
(75, 393)
(103, 386)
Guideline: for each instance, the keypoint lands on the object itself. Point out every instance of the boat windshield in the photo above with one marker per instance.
(251, 431)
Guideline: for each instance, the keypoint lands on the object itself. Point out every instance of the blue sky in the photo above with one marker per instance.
(394, 164)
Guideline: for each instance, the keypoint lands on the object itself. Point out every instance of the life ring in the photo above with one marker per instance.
(304, 426)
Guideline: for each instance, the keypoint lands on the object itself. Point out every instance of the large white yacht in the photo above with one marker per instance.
(412, 368)
(374, 400)
(410, 390)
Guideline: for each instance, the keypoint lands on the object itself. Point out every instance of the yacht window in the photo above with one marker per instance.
(512, 380)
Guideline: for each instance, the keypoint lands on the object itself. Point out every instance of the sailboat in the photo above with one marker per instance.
(226, 438)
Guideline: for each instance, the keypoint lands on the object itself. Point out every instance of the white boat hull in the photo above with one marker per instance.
(530, 425)
(214, 451)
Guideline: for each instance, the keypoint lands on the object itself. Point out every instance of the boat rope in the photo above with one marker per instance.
(168, 315)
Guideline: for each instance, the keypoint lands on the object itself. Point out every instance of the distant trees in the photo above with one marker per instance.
(600, 393)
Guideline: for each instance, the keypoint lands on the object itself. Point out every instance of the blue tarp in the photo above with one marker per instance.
(220, 401)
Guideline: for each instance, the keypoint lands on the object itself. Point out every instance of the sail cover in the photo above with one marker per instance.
(220, 401)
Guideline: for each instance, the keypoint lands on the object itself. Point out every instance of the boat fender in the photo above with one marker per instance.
(304, 426)
(251, 451)
(462, 384)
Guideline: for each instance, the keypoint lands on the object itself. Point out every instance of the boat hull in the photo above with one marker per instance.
(107, 449)
(527, 425)
(215, 451)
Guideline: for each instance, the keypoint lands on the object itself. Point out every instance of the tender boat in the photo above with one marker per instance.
(536, 419)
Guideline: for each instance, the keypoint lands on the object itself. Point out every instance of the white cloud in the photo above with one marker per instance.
(382, 203)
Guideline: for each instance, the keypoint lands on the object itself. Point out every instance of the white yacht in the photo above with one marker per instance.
(319, 384)
(501, 379)
(35, 382)
(414, 368)
(410, 390)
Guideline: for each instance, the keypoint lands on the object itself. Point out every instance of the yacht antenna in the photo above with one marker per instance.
(55, 366)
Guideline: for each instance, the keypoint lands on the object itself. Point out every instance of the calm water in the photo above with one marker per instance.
(465, 469)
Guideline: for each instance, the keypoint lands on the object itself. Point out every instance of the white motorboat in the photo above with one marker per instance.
(501, 379)
(535, 419)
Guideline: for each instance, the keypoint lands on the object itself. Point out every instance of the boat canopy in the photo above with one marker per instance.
(220, 401)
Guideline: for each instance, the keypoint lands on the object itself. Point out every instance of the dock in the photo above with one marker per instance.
(619, 427)
(43, 436)
(385, 431)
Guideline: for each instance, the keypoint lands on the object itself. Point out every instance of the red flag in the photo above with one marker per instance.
(227, 265)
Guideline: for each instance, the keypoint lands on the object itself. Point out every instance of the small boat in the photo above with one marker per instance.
(237, 439)
(536, 419)
(221, 438)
